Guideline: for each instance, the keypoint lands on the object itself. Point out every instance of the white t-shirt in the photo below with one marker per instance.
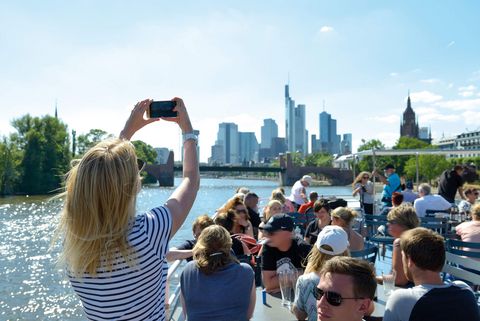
(295, 195)
(430, 202)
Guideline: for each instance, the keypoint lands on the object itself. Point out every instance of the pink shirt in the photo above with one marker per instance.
(469, 231)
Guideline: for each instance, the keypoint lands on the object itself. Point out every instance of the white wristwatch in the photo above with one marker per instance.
(190, 136)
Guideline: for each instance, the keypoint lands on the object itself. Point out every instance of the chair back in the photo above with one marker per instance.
(467, 249)
(437, 224)
(463, 268)
(369, 253)
(373, 222)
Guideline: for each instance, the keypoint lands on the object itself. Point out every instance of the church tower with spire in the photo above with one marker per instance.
(409, 125)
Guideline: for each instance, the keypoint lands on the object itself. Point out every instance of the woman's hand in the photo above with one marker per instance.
(136, 119)
(182, 118)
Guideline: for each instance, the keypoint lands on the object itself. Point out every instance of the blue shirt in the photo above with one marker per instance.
(392, 186)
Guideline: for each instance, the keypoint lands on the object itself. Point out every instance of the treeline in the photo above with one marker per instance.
(429, 166)
(35, 158)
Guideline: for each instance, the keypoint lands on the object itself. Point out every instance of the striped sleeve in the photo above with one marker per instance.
(158, 226)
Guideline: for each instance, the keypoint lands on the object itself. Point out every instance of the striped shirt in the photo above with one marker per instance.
(128, 293)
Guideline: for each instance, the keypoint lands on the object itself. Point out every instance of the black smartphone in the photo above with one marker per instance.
(162, 109)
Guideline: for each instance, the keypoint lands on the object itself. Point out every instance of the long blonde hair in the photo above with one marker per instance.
(317, 259)
(359, 177)
(100, 195)
(213, 249)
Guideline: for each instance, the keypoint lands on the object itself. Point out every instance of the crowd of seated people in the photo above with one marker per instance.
(327, 238)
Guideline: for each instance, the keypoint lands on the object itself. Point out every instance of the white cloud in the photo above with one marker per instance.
(467, 91)
(461, 104)
(471, 117)
(425, 97)
(325, 29)
(430, 81)
(393, 74)
(450, 44)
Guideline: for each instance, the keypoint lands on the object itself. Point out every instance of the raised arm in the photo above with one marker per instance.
(181, 201)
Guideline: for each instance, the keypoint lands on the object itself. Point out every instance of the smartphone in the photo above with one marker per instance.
(162, 109)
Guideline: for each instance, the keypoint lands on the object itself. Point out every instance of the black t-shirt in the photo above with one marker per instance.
(458, 304)
(187, 245)
(449, 183)
(237, 247)
(275, 260)
(312, 231)
(254, 217)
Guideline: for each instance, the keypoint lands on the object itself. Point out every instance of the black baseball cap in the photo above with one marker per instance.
(389, 166)
(278, 222)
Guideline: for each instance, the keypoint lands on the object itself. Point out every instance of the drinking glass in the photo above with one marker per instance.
(388, 284)
(288, 281)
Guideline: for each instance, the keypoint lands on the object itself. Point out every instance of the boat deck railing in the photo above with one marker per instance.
(174, 308)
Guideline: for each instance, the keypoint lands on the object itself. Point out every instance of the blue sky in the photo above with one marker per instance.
(230, 61)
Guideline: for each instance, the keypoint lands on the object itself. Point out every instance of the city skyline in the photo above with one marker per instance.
(230, 62)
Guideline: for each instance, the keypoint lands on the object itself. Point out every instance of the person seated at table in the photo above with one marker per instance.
(331, 241)
(423, 254)
(184, 250)
(409, 196)
(251, 202)
(427, 201)
(283, 250)
(397, 200)
(471, 195)
(322, 213)
(346, 290)
(343, 217)
(242, 222)
(313, 196)
(470, 231)
(279, 195)
(227, 221)
(399, 220)
(273, 207)
(215, 286)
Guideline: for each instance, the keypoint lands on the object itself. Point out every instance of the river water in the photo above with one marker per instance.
(33, 287)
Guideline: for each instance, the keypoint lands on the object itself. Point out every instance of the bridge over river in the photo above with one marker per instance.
(288, 171)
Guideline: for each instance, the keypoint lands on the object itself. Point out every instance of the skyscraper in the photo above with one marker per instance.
(289, 120)
(248, 145)
(346, 145)
(296, 135)
(228, 138)
(269, 131)
(329, 140)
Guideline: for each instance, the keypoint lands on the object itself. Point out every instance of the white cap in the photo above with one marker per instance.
(333, 236)
(307, 178)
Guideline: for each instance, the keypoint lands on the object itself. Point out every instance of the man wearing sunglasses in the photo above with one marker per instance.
(346, 290)
(423, 255)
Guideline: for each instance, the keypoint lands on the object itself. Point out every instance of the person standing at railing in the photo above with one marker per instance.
(364, 187)
(115, 260)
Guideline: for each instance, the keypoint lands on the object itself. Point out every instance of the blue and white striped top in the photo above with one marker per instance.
(126, 293)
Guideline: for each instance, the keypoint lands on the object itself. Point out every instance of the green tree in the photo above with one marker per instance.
(46, 157)
(429, 167)
(366, 162)
(319, 159)
(407, 143)
(90, 139)
(10, 157)
(148, 154)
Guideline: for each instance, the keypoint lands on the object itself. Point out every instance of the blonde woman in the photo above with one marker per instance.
(364, 187)
(115, 260)
(332, 241)
(273, 207)
(343, 217)
(215, 286)
(399, 220)
(279, 195)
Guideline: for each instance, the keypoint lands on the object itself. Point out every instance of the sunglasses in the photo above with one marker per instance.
(392, 222)
(333, 298)
(365, 177)
(141, 164)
